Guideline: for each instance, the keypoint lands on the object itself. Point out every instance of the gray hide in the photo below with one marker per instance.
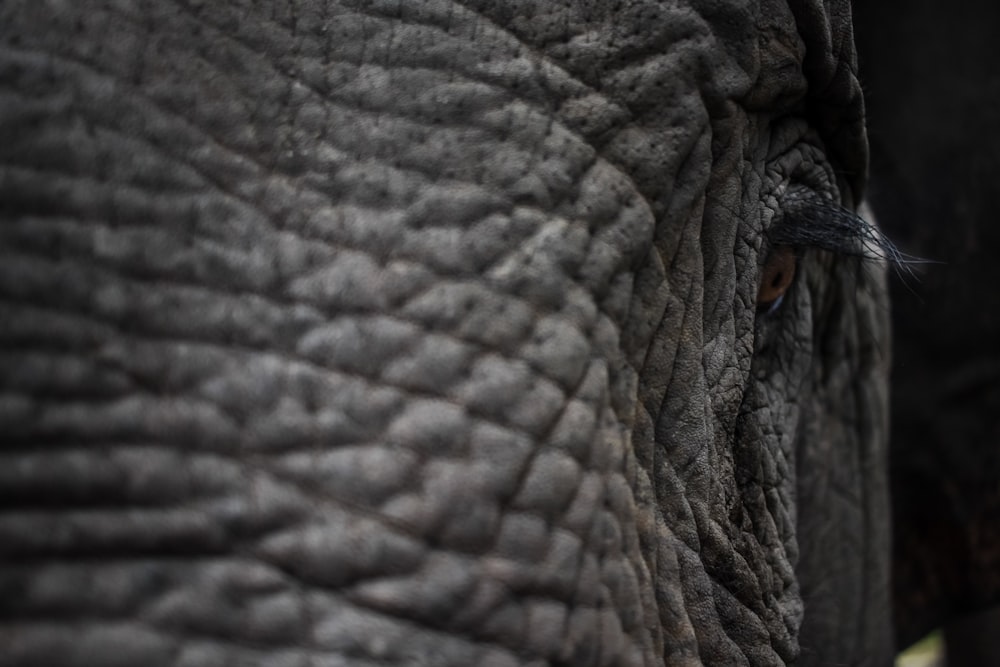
(426, 333)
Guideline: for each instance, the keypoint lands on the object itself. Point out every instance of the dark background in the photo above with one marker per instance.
(931, 73)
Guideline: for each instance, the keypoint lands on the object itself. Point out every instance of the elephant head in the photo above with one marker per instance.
(439, 333)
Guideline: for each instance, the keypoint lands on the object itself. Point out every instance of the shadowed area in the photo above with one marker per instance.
(933, 92)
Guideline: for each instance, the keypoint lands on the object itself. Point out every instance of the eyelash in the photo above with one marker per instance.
(809, 221)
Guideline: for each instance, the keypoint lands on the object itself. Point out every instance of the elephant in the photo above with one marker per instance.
(937, 198)
(437, 333)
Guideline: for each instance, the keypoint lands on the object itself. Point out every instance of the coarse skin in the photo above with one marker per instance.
(424, 333)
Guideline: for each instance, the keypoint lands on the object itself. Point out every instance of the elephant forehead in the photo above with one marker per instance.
(668, 68)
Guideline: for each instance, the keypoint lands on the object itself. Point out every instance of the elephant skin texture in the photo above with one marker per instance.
(427, 333)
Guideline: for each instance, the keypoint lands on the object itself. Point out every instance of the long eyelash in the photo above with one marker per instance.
(812, 222)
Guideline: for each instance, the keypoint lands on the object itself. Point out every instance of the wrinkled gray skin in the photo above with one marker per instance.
(422, 333)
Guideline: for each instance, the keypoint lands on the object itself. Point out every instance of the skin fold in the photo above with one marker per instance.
(428, 333)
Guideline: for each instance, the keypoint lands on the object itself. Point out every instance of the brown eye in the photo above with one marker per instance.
(779, 271)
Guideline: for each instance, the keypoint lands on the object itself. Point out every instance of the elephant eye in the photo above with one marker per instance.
(776, 278)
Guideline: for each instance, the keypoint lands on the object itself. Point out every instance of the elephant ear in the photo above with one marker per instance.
(937, 197)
